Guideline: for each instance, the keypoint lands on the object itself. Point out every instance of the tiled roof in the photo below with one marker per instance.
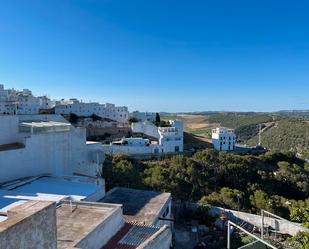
(130, 236)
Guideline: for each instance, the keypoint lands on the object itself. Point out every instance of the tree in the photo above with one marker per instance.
(158, 119)
(133, 120)
(73, 118)
(299, 212)
(227, 198)
(301, 240)
(260, 200)
(95, 117)
(120, 171)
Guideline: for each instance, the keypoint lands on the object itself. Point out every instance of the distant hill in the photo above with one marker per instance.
(238, 119)
(284, 131)
(286, 135)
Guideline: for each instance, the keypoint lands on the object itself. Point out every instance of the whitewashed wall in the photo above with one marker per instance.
(8, 129)
(145, 128)
(58, 153)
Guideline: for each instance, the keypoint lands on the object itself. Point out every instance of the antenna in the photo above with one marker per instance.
(260, 131)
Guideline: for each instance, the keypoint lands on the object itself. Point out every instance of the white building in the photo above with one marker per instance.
(223, 139)
(22, 102)
(109, 111)
(144, 116)
(169, 140)
(32, 145)
(7, 105)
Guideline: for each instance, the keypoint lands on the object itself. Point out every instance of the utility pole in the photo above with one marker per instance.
(260, 131)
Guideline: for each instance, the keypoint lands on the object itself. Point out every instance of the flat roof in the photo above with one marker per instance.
(76, 221)
(72, 187)
(47, 189)
(139, 206)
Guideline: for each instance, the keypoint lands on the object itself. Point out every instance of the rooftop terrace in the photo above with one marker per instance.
(76, 221)
(43, 127)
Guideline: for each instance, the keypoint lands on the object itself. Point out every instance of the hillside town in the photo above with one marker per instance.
(154, 124)
(53, 192)
(52, 187)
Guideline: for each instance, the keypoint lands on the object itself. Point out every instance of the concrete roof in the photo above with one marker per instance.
(45, 188)
(69, 186)
(77, 221)
(138, 205)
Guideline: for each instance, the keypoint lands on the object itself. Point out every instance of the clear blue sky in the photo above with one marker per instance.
(160, 55)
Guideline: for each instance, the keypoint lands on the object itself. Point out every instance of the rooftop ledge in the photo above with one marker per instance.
(11, 146)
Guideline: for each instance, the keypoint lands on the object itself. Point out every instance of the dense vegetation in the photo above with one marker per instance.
(276, 182)
(237, 119)
(286, 135)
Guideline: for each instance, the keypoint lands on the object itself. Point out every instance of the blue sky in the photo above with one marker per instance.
(160, 55)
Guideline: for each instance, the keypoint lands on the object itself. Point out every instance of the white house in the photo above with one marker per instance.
(223, 139)
(169, 140)
(109, 111)
(45, 144)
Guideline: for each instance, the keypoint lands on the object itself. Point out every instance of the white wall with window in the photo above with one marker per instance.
(223, 139)
(109, 111)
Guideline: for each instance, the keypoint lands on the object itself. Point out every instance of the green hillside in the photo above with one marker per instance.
(286, 135)
(287, 131)
(238, 119)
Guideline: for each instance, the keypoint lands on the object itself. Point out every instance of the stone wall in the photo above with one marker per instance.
(27, 229)
(284, 226)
